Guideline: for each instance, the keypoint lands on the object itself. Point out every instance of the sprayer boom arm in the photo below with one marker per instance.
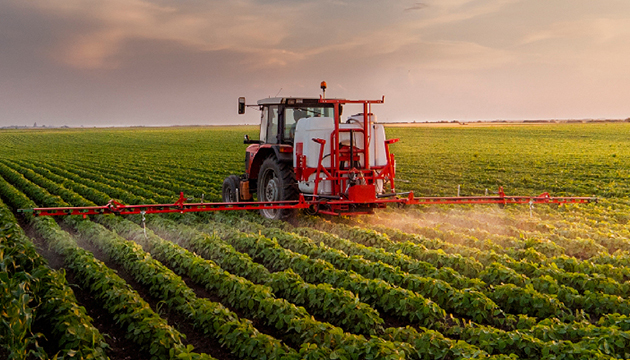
(181, 206)
(501, 198)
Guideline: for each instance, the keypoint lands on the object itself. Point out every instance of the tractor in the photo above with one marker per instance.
(305, 147)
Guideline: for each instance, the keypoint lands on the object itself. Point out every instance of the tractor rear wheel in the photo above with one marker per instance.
(231, 189)
(276, 182)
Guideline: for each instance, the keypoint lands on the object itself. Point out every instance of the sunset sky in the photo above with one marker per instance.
(141, 62)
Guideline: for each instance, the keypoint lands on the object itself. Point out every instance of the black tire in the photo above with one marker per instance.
(231, 189)
(276, 182)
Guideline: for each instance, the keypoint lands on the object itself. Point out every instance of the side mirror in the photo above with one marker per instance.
(247, 140)
(241, 105)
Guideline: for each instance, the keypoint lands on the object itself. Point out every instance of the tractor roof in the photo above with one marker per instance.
(289, 100)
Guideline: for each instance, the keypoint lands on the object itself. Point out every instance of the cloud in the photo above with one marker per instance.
(259, 29)
(159, 61)
(107, 25)
(416, 6)
(597, 29)
(451, 11)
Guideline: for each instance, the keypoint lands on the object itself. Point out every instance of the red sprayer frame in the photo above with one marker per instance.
(352, 188)
(181, 206)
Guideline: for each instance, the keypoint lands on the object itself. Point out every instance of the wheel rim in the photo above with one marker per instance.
(229, 195)
(272, 193)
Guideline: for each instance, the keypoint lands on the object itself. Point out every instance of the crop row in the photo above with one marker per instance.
(551, 331)
(258, 302)
(157, 181)
(117, 182)
(506, 233)
(425, 343)
(167, 290)
(337, 306)
(540, 235)
(527, 345)
(581, 275)
(469, 304)
(598, 267)
(511, 298)
(198, 178)
(75, 183)
(321, 298)
(215, 320)
(386, 298)
(212, 318)
(34, 294)
(129, 310)
(581, 282)
(597, 295)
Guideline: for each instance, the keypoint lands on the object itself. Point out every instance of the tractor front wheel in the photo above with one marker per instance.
(276, 182)
(231, 187)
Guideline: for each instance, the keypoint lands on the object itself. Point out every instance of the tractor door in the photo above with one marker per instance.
(264, 117)
(272, 124)
(270, 133)
(269, 122)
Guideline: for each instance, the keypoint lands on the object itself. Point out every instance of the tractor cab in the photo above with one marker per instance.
(279, 119)
(280, 116)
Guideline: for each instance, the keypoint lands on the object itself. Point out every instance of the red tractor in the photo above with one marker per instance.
(339, 166)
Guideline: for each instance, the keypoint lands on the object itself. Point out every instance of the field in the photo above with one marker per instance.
(432, 282)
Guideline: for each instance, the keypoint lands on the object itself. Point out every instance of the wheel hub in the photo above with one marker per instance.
(271, 191)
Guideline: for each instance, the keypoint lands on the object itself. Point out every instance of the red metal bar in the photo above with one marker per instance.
(336, 180)
(334, 153)
(320, 165)
(366, 128)
(499, 200)
(543, 198)
(336, 207)
(346, 101)
(167, 208)
(390, 166)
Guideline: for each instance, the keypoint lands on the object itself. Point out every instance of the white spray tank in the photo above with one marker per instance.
(322, 127)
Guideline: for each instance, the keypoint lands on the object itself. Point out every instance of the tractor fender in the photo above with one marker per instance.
(256, 154)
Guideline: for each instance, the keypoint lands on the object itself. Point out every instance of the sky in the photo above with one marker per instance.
(185, 62)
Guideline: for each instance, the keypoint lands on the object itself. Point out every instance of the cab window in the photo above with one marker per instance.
(272, 125)
(291, 118)
(292, 115)
(263, 124)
